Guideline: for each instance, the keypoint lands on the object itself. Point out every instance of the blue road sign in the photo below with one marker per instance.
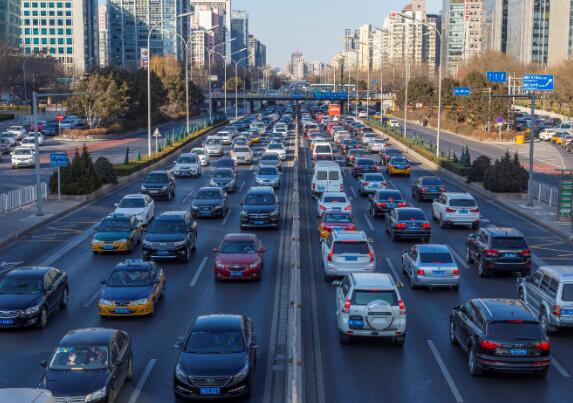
(496, 76)
(330, 95)
(462, 91)
(538, 82)
(59, 160)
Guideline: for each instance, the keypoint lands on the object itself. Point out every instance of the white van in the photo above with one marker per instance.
(326, 177)
(22, 395)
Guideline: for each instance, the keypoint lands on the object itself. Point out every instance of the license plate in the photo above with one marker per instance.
(108, 247)
(518, 351)
(463, 211)
(121, 310)
(335, 208)
(413, 226)
(566, 311)
(205, 210)
(153, 191)
(510, 254)
(236, 274)
(163, 252)
(210, 391)
(6, 321)
(439, 272)
(351, 258)
(355, 323)
(258, 222)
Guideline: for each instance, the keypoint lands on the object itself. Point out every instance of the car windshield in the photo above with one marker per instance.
(267, 171)
(113, 225)
(436, 257)
(270, 157)
(275, 146)
(80, 358)
(223, 173)
(357, 151)
(431, 181)
(187, 160)
(129, 278)
(390, 196)
(515, 330)
(21, 285)
(337, 217)
(364, 297)
(215, 342)
(208, 194)
(462, 202)
(411, 215)
(238, 246)
(132, 202)
(334, 199)
(354, 247)
(213, 142)
(159, 226)
(260, 200)
(28, 140)
(22, 151)
(156, 178)
(508, 243)
(365, 162)
(373, 178)
(399, 161)
(241, 149)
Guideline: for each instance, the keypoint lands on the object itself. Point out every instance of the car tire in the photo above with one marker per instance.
(469, 257)
(475, 225)
(344, 338)
(327, 277)
(399, 340)
(473, 364)
(544, 321)
(413, 285)
(481, 269)
(129, 374)
(187, 256)
(64, 300)
(453, 339)
(520, 294)
(43, 319)
(443, 224)
(194, 247)
(541, 374)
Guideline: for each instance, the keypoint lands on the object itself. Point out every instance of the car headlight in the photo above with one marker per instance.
(274, 213)
(212, 183)
(195, 208)
(95, 241)
(105, 302)
(180, 243)
(219, 207)
(253, 265)
(244, 213)
(32, 310)
(180, 373)
(243, 373)
(97, 395)
(163, 187)
(147, 244)
(141, 301)
(143, 187)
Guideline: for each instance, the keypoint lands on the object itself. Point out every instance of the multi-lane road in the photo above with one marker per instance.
(426, 368)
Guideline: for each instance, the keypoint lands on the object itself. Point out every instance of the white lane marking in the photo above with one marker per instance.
(391, 182)
(242, 186)
(227, 217)
(459, 259)
(353, 191)
(93, 297)
(137, 391)
(445, 372)
(187, 196)
(392, 269)
(368, 222)
(538, 261)
(559, 368)
(50, 260)
(198, 272)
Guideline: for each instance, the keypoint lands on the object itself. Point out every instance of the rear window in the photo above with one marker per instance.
(435, 257)
(365, 162)
(567, 293)
(335, 199)
(462, 203)
(411, 215)
(373, 178)
(508, 243)
(322, 148)
(389, 196)
(358, 247)
(431, 181)
(338, 217)
(333, 175)
(321, 175)
(364, 297)
(516, 330)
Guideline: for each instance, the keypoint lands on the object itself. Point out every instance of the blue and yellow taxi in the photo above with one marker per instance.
(117, 233)
(254, 137)
(133, 289)
(398, 166)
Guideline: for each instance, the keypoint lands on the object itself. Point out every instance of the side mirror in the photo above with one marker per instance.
(370, 240)
(399, 284)
(44, 363)
(115, 204)
(337, 283)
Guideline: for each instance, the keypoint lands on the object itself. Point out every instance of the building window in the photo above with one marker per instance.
(68, 31)
(70, 50)
(44, 41)
(52, 21)
(36, 41)
(68, 13)
(26, 21)
(52, 41)
(43, 13)
(26, 13)
(43, 5)
(34, 5)
(26, 4)
(60, 31)
(60, 41)
(52, 31)
(35, 13)
(51, 4)
(43, 21)
(60, 21)
(44, 31)
(68, 5)
(69, 22)
(61, 51)
(35, 31)
(68, 41)
(27, 31)
(27, 41)
(60, 5)
(51, 14)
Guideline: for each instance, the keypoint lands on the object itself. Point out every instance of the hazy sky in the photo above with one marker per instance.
(314, 27)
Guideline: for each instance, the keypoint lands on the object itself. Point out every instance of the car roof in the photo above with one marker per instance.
(503, 232)
(503, 309)
(373, 280)
(391, 191)
(172, 215)
(458, 195)
(433, 248)
(349, 236)
(239, 237)
(95, 336)
(205, 188)
(261, 190)
(409, 209)
(117, 216)
(134, 196)
(134, 264)
(334, 194)
(217, 322)
(562, 273)
(29, 271)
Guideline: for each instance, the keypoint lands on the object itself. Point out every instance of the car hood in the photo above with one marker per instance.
(206, 202)
(237, 258)
(259, 208)
(10, 302)
(267, 177)
(111, 236)
(212, 364)
(126, 293)
(151, 237)
(130, 211)
(186, 166)
(75, 383)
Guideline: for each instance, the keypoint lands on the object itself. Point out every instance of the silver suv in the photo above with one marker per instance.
(370, 305)
(346, 252)
(187, 164)
(549, 294)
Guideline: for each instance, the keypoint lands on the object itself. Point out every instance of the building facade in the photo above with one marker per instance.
(560, 41)
(10, 23)
(66, 30)
(494, 27)
(298, 67)
(257, 53)
(240, 33)
(103, 44)
(216, 16)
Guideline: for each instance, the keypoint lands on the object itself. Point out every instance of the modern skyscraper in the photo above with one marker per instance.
(102, 35)
(528, 28)
(240, 31)
(10, 22)
(257, 52)
(222, 11)
(494, 27)
(560, 45)
(297, 66)
(364, 47)
(66, 30)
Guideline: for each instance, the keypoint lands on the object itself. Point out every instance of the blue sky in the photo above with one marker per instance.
(314, 27)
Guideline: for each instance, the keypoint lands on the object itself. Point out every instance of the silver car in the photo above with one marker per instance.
(202, 155)
(270, 159)
(214, 145)
(346, 252)
(376, 145)
(370, 305)
(371, 183)
(187, 164)
(242, 154)
(430, 266)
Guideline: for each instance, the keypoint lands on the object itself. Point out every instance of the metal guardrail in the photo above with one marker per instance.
(20, 197)
(545, 193)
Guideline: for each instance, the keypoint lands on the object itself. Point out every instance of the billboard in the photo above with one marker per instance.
(334, 110)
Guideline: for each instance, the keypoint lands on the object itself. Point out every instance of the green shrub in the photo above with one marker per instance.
(506, 175)
(478, 169)
(6, 116)
(105, 170)
(79, 177)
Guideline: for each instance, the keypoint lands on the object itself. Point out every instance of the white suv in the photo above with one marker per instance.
(187, 164)
(370, 305)
(23, 157)
(345, 252)
(452, 208)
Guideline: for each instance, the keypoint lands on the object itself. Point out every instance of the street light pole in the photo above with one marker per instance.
(209, 78)
(237, 80)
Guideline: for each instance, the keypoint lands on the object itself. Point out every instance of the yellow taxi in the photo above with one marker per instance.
(133, 289)
(117, 233)
(398, 166)
(254, 137)
(332, 220)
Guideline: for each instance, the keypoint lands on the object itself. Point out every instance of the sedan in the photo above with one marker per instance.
(363, 166)
(138, 205)
(431, 266)
(270, 159)
(335, 219)
(383, 201)
(398, 166)
(224, 178)
(117, 233)
(202, 155)
(28, 295)
(376, 145)
(333, 201)
(370, 183)
(408, 223)
(388, 153)
(268, 176)
(353, 154)
(216, 358)
(227, 162)
(427, 187)
(239, 257)
(278, 149)
(209, 201)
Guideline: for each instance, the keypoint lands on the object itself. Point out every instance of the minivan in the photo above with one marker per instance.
(327, 177)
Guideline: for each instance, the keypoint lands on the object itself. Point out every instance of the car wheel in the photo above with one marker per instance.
(399, 340)
(545, 322)
(344, 338)
(187, 256)
(469, 257)
(475, 225)
(520, 294)
(372, 212)
(473, 365)
(542, 373)
(481, 269)
(65, 298)
(129, 374)
(443, 224)
(453, 339)
(43, 320)
(194, 248)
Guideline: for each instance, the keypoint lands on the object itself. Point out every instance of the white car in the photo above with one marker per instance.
(202, 155)
(225, 136)
(41, 138)
(394, 123)
(242, 154)
(453, 208)
(187, 164)
(332, 201)
(138, 205)
(29, 142)
(19, 131)
(214, 145)
(362, 114)
(376, 145)
(368, 137)
(346, 252)
(547, 134)
(23, 157)
(278, 149)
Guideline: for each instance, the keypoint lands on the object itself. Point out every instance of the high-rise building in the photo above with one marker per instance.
(240, 31)
(432, 43)
(560, 45)
(364, 47)
(66, 30)
(297, 66)
(102, 35)
(215, 15)
(10, 22)
(494, 27)
(528, 28)
(200, 40)
(257, 52)
(129, 22)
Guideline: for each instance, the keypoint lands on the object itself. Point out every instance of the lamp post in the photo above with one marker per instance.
(209, 78)
(368, 81)
(237, 79)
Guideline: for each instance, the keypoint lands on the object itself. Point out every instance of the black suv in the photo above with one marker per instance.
(500, 335)
(498, 249)
(159, 184)
(261, 208)
(172, 235)
(427, 187)
(209, 201)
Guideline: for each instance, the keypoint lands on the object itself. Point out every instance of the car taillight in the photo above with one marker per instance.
(456, 272)
(489, 345)
(402, 306)
(543, 345)
(400, 225)
(442, 188)
(346, 308)
(326, 226)
(491, 252)
(350, 227)
(475, 210)
(371, 255)
(423, 189)
(380, 204)
(313, 186)
(348, 208)
(526, 252)
(330, 256)
(450, 210)
(426, 225)
(556, 310)
(403, 204)
(421, 272)
(322, 207)
(366, 183)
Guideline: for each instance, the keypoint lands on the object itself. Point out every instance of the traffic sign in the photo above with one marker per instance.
(156, 133)
(59, 117)
(330, 95)
(499, 120)
(59, 160)
(496, 76)
(538, 82)
(213, 77)
(462, 91)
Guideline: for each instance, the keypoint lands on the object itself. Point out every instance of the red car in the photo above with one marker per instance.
(239, 257)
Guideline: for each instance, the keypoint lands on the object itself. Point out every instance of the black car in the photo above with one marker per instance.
(261, 208)
(209, 201)
(500, 335)
(171, 236)
(226, 162)
(90, 364)
(427, 187)
(51, 129)
(159, 184)
(498, 249)
(363, 166)
(349, 144)
(28, 295)
(216, 358)
(409, 223)
(355, 153)
(383, 201)
(388, 153)
(224, 178)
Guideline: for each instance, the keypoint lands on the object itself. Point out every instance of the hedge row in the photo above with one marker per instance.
(14, 108)
(6, 116)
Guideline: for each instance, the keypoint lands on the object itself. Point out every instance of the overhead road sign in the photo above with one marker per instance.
(462, 91)
(330, 95)
(538, 82)
(496, 76)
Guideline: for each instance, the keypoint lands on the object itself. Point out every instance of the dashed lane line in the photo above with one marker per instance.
(368, 222)
(93, 297)
(460, 260)
(559, 368)
(445, 372)
(137, 391)
(392, 269)
(198, 272)
(227, 217)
